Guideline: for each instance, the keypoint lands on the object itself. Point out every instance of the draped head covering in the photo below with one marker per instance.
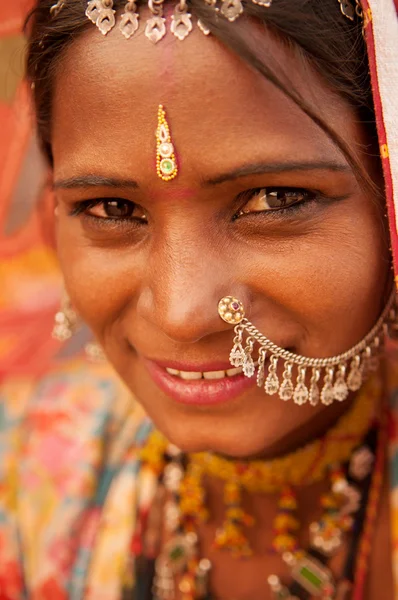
(381, 34)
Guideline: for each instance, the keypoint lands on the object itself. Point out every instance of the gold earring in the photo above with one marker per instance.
(338, 375)
(94, 352)
(348, 9)
(66, 321)
(65, 326)
(166, 163)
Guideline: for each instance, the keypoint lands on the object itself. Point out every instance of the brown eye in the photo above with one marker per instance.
(116, 209)
(273, 199)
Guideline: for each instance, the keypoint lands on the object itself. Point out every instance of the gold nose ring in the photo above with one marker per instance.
(231, 310)
(305, 379)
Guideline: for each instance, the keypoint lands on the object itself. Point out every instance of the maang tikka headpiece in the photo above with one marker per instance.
(306, 379)
(166, 162)
(102, 14)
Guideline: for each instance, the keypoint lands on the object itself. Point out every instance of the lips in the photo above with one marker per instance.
(198, 385)
(208, 375)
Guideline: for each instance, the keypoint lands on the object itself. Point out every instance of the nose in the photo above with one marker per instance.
(182, 290)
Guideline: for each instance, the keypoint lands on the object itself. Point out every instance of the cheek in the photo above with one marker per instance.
(328, 282)
(100, 281)
(331, 281)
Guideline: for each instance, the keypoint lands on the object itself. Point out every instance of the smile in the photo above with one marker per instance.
(209, 386)
(209, 375)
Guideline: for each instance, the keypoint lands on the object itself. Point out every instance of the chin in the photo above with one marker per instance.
(248, 426)
(232, 437)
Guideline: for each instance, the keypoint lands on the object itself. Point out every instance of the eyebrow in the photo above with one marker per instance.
(275, 168)
(87, 181)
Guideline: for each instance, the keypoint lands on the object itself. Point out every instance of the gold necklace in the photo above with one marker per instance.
(182, 477)
(304, 466)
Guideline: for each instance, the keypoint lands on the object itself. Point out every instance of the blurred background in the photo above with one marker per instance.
(30, 283)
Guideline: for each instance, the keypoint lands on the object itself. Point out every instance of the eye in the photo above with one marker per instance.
(111, 209)
(274, 199)
(116, 209)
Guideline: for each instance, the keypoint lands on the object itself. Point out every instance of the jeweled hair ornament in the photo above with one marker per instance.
(349, 10)
(330, 379)
(102, 14)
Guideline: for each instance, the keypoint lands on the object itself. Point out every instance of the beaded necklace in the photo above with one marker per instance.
(346, 454)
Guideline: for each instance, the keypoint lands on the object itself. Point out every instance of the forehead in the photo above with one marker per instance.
(107, 92)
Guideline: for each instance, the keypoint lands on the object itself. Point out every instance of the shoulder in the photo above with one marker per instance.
(67, 439)
(64, 415)
(72, 390)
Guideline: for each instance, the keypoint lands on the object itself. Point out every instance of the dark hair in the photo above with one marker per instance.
(316, 29)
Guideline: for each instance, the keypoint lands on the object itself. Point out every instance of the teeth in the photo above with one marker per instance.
(209, 375)
(190, 375)
(214, 375)
(233, 372)
(173, 371)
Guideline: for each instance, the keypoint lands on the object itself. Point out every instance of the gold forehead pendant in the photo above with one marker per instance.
(306, 380)
(166, 162)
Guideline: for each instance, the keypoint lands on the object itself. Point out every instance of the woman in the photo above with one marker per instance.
(255, 219)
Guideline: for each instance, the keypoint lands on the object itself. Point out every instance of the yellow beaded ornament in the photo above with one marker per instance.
(166, 162)
(152, 454)
(305, 466)
(308, 464)
(192, 496)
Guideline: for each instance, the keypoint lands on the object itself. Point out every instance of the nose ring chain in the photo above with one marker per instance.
(306, 380)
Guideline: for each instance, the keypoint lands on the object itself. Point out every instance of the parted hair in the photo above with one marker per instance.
(315, 29)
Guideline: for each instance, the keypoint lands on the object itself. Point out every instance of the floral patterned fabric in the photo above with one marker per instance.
(71, 483)
(68, 472)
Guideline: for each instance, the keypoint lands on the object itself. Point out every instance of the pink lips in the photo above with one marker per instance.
(199, 392)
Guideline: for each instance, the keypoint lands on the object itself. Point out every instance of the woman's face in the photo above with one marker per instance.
(265, 208)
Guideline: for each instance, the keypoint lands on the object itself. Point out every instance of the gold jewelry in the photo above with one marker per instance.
(66, 321)
(305, 466)
(56, 8)
(166, 162)
(348, 9)
(184, 506)
(129, 23)
(156, 26)
(181, 21)
(101, 13)
(93, 10)
(94, 353)
(339, 374)
(231, 9)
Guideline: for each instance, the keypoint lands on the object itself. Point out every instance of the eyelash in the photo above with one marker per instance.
(314, 197)
(106, 223)
(83, 206)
